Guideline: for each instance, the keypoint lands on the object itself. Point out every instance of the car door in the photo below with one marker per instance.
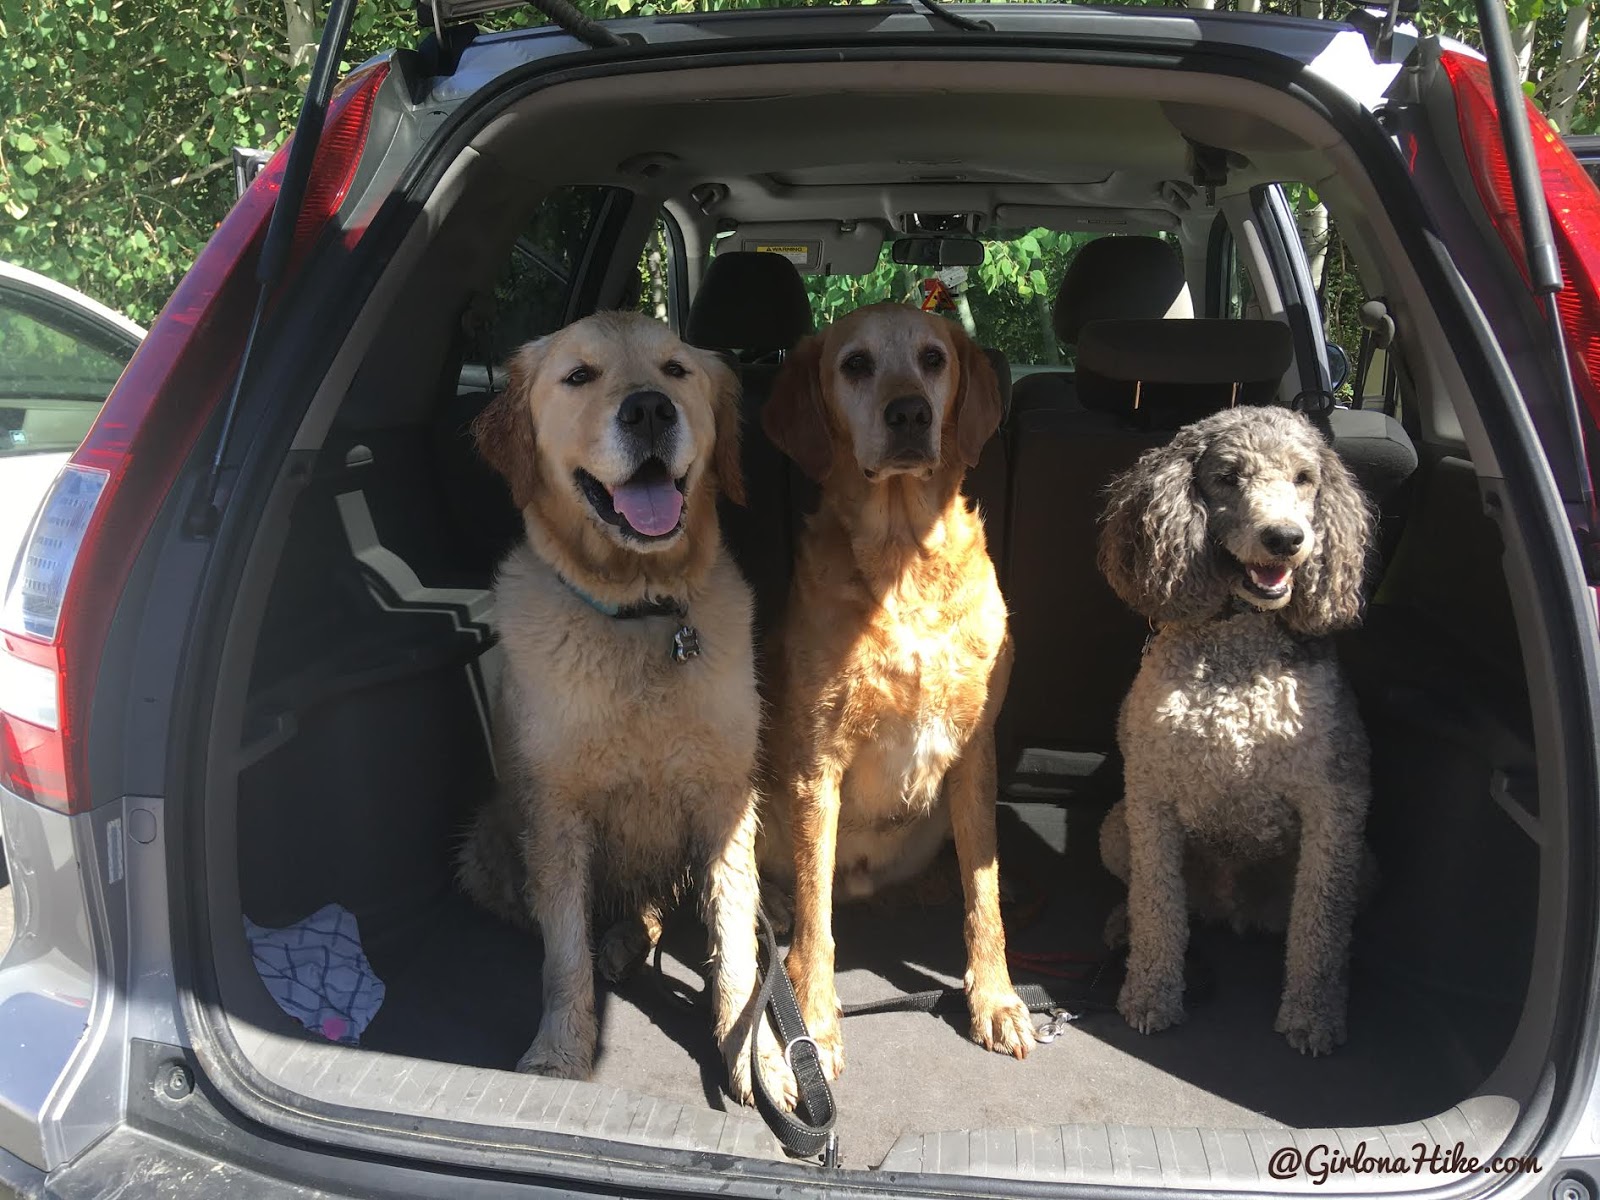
(63, 353)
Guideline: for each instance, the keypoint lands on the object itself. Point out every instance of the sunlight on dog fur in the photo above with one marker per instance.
(893, 657)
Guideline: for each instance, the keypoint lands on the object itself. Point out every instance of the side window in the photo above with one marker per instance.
(56, 371)
(661, 280)
(1369, 379)
(532, 294)
(1229, 292)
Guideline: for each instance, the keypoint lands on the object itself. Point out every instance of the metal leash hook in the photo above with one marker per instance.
(1053, 1028)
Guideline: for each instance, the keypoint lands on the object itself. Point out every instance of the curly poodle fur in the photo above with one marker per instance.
(1244, 542)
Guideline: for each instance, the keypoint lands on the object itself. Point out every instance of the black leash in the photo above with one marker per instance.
(808, 1131)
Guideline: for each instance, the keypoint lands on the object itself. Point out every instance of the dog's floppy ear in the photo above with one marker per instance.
(1327, 594)
(794, 417)
(726, 403)
(504, 430)
(1153, 548)
(978, 401)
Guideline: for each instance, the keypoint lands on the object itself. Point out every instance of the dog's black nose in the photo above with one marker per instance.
(1282, 540)
(905, 413)
(647, 415)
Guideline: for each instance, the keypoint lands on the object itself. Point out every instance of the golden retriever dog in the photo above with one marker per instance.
(627, 722)
(893, 656)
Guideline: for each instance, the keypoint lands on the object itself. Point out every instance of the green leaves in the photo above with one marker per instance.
(119, 116)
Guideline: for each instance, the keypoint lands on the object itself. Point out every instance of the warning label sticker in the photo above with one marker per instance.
(799, 255)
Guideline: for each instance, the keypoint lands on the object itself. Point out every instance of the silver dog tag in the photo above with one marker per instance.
(685, 644)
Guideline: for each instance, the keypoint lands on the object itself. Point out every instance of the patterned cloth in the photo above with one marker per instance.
(316, 971)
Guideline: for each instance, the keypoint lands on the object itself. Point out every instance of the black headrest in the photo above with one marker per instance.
(1002, 374)
(749, 300)
(1120, 279)
(1163, 374)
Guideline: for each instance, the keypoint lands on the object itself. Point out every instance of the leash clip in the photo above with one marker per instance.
(830, 1152)
(1053, 1028)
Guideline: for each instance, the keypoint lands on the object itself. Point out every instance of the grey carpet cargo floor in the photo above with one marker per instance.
(464, 988)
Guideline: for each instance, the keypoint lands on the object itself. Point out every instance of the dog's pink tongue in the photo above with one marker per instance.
(652, 508)
(1269, 577)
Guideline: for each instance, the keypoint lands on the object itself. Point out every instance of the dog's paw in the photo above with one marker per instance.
(830, 1045)
(1311, 1026)
(1151, 1004)
(1001, 1022)
(774, 1071)
(558, 1060)
(622, 950)
(1116, 933)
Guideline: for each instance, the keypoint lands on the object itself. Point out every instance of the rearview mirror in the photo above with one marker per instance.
(937, 252)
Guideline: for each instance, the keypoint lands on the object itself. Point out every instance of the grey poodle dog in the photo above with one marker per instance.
(1244, 542)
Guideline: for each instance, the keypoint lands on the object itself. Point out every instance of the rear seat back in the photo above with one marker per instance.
(752, 306)
(1159, 375)
(1111, 278)
(1078, 645)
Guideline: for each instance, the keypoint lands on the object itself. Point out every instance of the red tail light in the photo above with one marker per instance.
(1574, 211)
(80, 550)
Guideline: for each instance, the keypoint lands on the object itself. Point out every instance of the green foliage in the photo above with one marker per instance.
(1007, 298)
(117, 119)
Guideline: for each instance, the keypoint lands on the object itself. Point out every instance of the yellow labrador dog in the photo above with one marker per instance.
(627, 721)
(894, 656)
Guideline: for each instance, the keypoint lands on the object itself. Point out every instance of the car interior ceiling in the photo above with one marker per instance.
(373, 667)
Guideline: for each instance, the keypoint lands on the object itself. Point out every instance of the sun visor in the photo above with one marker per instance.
(814, 247)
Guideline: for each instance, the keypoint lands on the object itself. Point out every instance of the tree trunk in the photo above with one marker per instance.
(1310, 9)
(964, 312)
(1202, 3)
(300, 20)
(1314, 232)
(1249, 5)
(1522, 46)
(1047, 329)
(656, 269)
(1569, 76)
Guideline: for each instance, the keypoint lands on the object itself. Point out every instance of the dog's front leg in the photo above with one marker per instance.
(1000, 1020)
(731, 893)
(1315, 989)
(558, 851)
(1158, 915)
(810, 964)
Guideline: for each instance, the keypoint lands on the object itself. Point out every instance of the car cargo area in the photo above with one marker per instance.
(354, 744)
